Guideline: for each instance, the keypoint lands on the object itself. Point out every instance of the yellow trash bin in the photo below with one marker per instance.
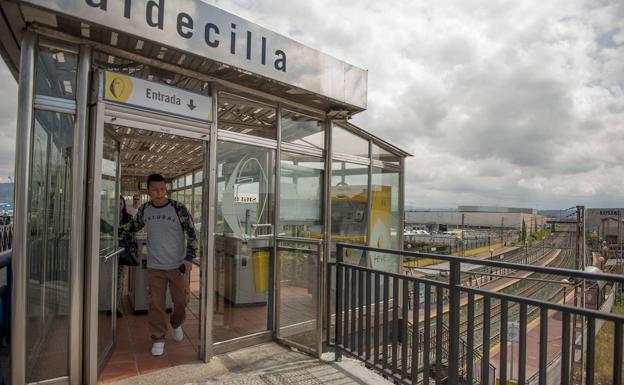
(260, 261)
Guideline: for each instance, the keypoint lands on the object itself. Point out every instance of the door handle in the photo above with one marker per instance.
(106, 258)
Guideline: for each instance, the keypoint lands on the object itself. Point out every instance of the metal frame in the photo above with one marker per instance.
(90, 371)
(210, 187)
(319, 304)
(347, 311)
(25, 117)
(276, 226)
(77, 245)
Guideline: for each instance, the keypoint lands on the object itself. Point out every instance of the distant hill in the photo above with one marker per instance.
(550, 213)
(6, 193)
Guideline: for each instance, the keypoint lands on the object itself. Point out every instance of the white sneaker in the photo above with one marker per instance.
(178, 333)
(158, 348)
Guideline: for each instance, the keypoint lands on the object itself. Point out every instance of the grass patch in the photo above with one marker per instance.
(604, 348)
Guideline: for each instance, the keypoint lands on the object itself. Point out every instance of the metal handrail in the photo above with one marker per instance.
(283, 238)
(353, 280)
(494, 263)
(5, 258)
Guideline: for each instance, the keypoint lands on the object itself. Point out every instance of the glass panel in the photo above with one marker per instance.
(349, 199)
(109, 222)
(189, 180)
(197, 205)
(384, 221)
(244, 240)
(108, 196)
(188, 198)
(299, 291)
(49, 224)
(181, 182)
(174, 184)
(301, 196)
(346, 142)
(386, 156)
(199, 176)
(56, 73)
(302, 129)
(197, 213)
(246, 117)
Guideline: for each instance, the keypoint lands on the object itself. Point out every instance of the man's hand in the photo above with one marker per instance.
(189, 265)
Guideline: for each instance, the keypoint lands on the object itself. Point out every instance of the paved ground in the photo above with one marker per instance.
(265, 364)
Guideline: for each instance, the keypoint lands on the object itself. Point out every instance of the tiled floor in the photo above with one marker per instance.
(131, 355)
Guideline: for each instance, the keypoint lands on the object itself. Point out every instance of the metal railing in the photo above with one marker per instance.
(6, 237)
(382, 319)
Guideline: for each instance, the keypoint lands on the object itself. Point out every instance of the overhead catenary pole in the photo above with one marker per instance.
(462, 237)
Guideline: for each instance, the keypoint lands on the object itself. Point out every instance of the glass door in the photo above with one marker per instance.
(108, 244)
(244, 227)
(299, 252)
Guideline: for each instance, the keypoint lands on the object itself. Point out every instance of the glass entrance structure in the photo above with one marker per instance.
(253, 139)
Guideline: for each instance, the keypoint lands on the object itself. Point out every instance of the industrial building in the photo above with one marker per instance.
(475, 217)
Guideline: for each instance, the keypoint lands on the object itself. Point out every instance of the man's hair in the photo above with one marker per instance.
(155, 178)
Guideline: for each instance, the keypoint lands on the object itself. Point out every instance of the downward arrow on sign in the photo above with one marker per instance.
(191, 106)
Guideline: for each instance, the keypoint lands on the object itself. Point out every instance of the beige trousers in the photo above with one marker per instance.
(179, 287)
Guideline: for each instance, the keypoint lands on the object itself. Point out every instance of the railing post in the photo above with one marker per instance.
(338, 327)
(454, 322)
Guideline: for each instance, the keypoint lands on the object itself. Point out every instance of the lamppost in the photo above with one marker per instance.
(565, 283)
(491, 255)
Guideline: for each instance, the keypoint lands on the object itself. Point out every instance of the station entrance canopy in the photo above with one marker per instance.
(196, 36)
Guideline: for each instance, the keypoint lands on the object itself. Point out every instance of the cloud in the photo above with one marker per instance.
(8, 110)
(501, 103)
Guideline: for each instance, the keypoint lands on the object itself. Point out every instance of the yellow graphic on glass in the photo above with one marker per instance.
(260, 263)
(118, 88)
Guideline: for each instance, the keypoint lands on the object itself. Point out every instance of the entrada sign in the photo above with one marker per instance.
(136, 92)
(201, 29)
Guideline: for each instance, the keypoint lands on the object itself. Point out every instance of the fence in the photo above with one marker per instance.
(420, 330)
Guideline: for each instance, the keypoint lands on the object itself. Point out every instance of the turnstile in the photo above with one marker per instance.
(138, 279)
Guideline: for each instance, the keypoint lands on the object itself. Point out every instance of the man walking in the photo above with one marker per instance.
(169, 260)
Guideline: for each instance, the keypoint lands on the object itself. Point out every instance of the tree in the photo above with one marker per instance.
(524, 231)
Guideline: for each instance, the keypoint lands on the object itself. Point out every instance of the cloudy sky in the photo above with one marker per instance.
(516, 103)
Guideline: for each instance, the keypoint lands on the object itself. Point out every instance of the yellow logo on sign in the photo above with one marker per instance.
(118, 87)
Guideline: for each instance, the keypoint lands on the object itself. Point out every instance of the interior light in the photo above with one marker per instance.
(139, 45)
(68, 87)
(114, 36)
(84, 30)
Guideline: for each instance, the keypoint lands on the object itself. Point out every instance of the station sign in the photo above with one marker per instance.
(158, 97)
(198, 28)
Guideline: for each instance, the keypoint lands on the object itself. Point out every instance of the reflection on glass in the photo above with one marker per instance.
(109, 223)
(384, 155)
(384, 218)
(301, 196)
(49, 225)
(303, 130)
(56, 73)
(244, 240)
(349, 199)
(109, 211)
(199, 176)
(348, 143)
(244, 116)
(188, 198)
(299, 290)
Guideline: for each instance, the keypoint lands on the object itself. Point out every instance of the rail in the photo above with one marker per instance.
(374, 312)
